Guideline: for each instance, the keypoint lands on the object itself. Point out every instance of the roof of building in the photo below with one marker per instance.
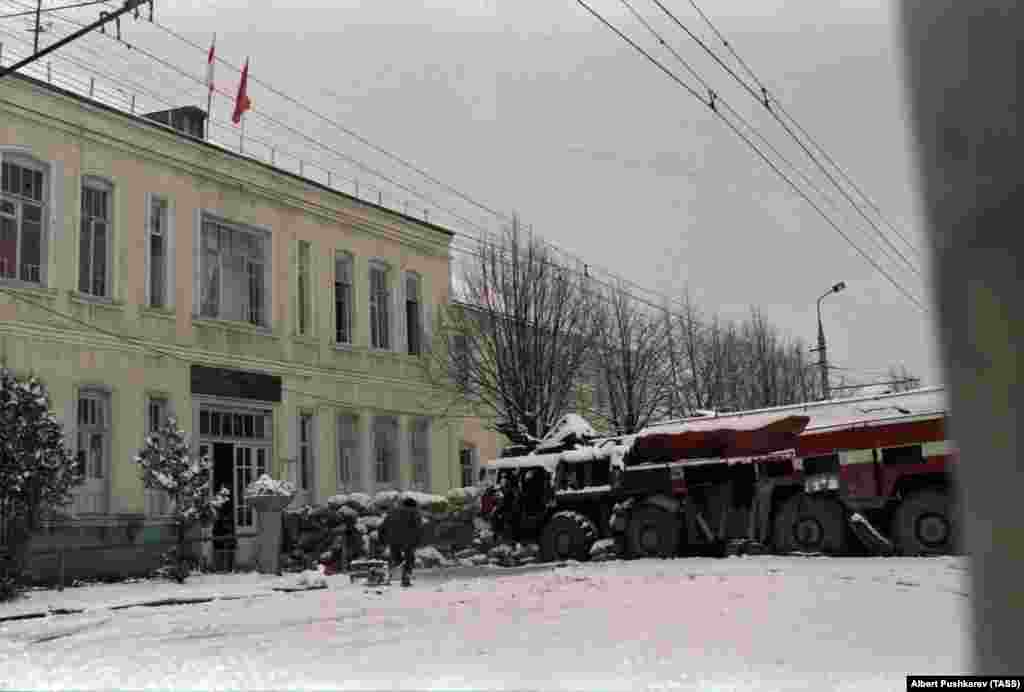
(145, 121)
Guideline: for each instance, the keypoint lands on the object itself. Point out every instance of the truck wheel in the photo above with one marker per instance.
(567, 536)
(652, 532)
(810, 524)
(923, 524)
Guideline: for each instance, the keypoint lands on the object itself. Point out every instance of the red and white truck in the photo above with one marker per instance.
(832, 477)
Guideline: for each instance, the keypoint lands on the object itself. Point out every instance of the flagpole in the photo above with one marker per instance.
(209, 86)
(241, 139)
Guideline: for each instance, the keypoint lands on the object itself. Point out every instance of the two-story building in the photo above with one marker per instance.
(147, 273)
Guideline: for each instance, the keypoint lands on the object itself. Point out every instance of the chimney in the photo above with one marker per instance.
(189, 120)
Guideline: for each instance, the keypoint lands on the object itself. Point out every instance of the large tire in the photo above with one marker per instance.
(652, 532)
(924, 524)
(810, 524)
(567, 536)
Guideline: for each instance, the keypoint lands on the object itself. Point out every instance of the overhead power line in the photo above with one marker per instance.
(735, 114)
(712, 103)
(480, 205)
(782, 109)
(766, 99)
(47, 10)
(105, 18)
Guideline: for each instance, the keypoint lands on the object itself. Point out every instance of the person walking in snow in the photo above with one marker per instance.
(402, 531)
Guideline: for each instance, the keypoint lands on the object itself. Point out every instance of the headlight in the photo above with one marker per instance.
(822, 482)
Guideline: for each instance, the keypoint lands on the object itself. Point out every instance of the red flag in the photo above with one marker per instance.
(242, 102)
(209, 64)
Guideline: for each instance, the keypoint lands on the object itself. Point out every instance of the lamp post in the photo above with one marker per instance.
(822, 353)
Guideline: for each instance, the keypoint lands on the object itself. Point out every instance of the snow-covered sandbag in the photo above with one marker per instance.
(360, 502)
(265, 485)
(312, 580)
(429, 556)
(466, 553)
(501, 551)
(385, 500)
(369, 523)
(436, 504)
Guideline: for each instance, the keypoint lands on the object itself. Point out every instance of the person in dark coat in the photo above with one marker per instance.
(402, 531)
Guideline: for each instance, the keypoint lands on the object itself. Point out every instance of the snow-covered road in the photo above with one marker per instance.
(742, 623)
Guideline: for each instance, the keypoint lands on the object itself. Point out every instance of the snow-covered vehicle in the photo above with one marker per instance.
(808, 478)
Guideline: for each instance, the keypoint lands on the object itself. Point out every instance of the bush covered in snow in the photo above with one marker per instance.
(167, 464)
(37, 470)
(265, 485)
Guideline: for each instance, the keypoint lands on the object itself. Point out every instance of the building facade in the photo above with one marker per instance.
(147, 274)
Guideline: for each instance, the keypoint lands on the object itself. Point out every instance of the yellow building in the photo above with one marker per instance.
(148, 273)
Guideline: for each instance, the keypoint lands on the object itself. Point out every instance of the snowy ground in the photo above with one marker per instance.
(742, 623)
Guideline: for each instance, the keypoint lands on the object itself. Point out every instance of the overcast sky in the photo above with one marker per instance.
(534, 107)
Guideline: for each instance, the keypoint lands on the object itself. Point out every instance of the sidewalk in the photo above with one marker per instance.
(41, 603)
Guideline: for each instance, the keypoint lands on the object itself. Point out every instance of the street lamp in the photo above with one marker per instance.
(822, 357)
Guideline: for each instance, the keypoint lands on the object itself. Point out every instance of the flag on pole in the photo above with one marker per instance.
(242, 102)
(210, 61)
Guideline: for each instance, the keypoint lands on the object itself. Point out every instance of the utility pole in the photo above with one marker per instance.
(39, 12)
(822, 353)
(129, 5)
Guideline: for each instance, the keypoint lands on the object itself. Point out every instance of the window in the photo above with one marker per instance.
(158, 252)
(380, 313)
(22, 220)
(419, 452)
(348, 451)
(305, 301)
(413, 314)
(460, 357)
(343, 298)
(95, 241)
(93, 434)
(250, 464)
(233, 269)
(305, 451)
(385, 449)
(467, 465)
(157, 502)
(242, 425)
(156, 413)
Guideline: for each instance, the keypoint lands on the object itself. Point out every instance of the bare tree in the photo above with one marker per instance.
(901, 379)
(718, 365)
(514, 342)
(631, 359)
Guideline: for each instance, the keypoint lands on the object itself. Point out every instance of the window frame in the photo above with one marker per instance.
(157, 502)
(346, 258)
(167, 233)
(471, 449)
(102, 185)
(306, 443)
(413, 336)
(265, 238)
(381, 302)
(304, 288)
(389, 464)
(420, 463)
(24, 160)
(348, 476)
